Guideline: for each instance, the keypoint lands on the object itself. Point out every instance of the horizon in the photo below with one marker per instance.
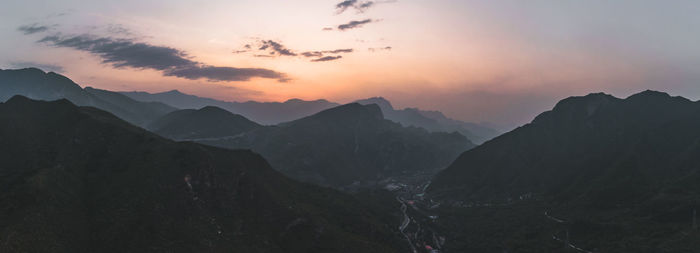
(476, 61)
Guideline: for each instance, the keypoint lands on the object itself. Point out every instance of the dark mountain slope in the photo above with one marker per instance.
(77, 179)
(585, 146)
(349, 144)
(268, 113)
(36, 84)
(208, 122)
(432, 120)
(615, 175)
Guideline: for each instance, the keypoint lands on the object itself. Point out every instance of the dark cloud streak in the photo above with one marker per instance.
(355, 24)
(344, 5)
(360, 7)
(276, 47)
(32, 29)
(327, 58)
(172, 62)
(372, 49)
(321, 53)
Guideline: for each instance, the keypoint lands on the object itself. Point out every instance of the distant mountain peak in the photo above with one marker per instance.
(18, 99)
(351, 111)
(652, 95)
(212, 108)
(174, 91)
(380, 101)
(299, 101)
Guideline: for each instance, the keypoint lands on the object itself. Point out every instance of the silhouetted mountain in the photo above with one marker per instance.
(78, 179)
(208, 122)
(432, 120)
(349, 144)
(615, 172)
(36, 84)
(267, 113)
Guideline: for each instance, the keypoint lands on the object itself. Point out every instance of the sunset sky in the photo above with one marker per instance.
(496, 61)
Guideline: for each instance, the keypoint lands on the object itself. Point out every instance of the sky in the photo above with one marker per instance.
(502, 61)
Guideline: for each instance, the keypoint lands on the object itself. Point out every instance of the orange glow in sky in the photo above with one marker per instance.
(499, 61)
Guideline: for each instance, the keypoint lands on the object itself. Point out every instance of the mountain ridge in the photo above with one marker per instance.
(347, 144)
(37, 84)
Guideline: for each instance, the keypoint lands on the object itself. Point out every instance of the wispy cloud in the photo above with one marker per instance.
(172, 62)
(355, 24)
(327, 58)
(276, 48)
(32, 29)
(372, 49)
(360, 7)
(344, 5)
(321, 53)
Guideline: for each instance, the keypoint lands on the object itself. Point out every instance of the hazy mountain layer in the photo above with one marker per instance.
(349, 144)
(267, 113)
(274, 113)
(432, 121)
(36, 84)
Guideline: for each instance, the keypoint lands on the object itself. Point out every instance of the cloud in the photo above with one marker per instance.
(327, 58)
(360, 7)
(42, 66)
(271, 49)
(321, 53)
(172, 62)
(276, 47)
(344, 5)
(337, 51)
(372, 49)
(327, 29)
(364, 6)
(214, 73)
(355, 24)
(118, 29)
(312, 54)
(32, 29)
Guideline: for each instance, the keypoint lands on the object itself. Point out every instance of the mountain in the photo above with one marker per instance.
(432, 120)
(267, 113)
(208, 122)
(619, 175)
(78, 179)
(36, 84)
(348, 144)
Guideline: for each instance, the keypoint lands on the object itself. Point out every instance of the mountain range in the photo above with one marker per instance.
(341, 146)
(79, 179)
(266, 113)
(36, 84)
(271, 113)
(433, 121)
